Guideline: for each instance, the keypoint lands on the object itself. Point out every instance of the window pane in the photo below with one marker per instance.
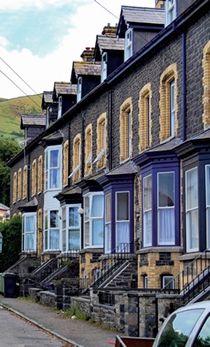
(191, 189)
(192, 229)
(166, 189)
(97, 232)
(30, 242)
(123, 236)
(74, 239)
(108, 238)
(122, 206)
(54, 238)
(30, 225)
(108, 208)
(53, 219)
(64, 240)
(54, 158)
(87, 234)
(203, 339)
(87, 208)
(97, 206)
(73, 217)
(54, 178)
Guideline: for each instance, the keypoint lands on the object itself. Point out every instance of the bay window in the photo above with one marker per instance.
(93, 220)
(29, 232)
(53, 167)
(191, 209)
(166, 208)
(122, 221)
(52, 232)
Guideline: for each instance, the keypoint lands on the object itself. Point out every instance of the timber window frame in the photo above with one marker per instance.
(128, 51)
(19, 184)
(71, 228)
(145, 120)
(76, 174)
(100, 159)
(206, 85)
(29, 232)
(88, 150)
(126, 133)
(168, 103)
(14, 199)
(170, 11)
(33, 178)
(65, 163)
(40, 174)
(53, 167)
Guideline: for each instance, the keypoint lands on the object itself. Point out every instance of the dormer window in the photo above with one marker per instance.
(170, 11)
(59, 106)
(128, 44)
(104, 67)
(79, 89)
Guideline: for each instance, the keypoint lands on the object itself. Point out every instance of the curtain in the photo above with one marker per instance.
(166, 226)
(123, 237)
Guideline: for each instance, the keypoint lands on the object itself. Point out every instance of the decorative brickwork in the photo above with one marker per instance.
(40, 173)
(76, 157)
(101, 141)
(206, 85)
(169, 74)
(164, 259)
(19, 184)
(65, 162)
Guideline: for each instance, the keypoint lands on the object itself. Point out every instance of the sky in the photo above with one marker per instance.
(40, 39)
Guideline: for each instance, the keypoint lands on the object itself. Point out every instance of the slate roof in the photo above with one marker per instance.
(4, 207)
(107, 43)
(47, 98)
(64, 88)
(86, 68)
(32, 120)
(127, 168)
(143, 15)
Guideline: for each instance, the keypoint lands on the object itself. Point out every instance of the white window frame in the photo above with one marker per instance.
(48, 168)
(108, 233)
(60, 105)
(147, 237)
(25, 233)
(170, 7)
(189, 210)
(104, 66)
(79, 89)
(166, 208)
(168, 282)
(48, 229)
(89, 220)
(122, 246)
(66, 228)
(207, 188)
(128, 52)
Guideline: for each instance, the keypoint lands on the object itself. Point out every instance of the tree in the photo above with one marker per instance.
(11, 232)
(8, 149)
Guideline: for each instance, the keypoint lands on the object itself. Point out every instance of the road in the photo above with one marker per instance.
(16, 332)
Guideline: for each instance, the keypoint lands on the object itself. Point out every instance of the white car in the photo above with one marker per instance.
(188, 326)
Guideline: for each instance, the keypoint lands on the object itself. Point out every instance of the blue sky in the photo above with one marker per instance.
(39, 39)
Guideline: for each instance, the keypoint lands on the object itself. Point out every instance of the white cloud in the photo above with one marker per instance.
(41, 73)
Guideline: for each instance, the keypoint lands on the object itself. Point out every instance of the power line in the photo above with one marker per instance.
(19, 76)
(20, 88)
(105, 9)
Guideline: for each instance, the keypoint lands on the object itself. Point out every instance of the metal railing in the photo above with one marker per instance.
(193, 279)
(107, 265)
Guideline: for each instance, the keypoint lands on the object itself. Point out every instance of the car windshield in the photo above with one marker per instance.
(178, 328)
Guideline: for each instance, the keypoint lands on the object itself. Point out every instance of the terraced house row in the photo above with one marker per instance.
(115, 173)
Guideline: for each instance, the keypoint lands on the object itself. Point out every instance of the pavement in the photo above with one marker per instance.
(73, 332)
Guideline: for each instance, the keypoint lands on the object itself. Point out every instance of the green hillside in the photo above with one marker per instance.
(11, 111)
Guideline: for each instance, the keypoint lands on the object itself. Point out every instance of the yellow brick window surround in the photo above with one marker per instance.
(14, 187)
(168, 102)
(40, 171)
(33, 185)
(65, 162)
(126, 129)
(100, 159)
(25, 180)
(206, 85)
(145, 138)
(19, 184)
(88, 149)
